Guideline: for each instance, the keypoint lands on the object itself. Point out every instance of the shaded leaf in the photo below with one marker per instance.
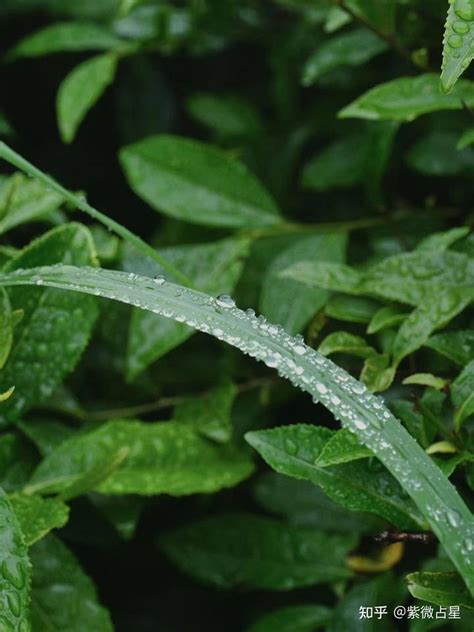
(444, 589)
(345, 342)
(306, 618)
(458, 346)
(224, 114)
(38, 516)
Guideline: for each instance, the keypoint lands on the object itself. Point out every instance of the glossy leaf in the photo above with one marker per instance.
(80, 90)
(15, 571)
(63, 596)
(55, 327)
(406, 98)
(161, 458)
(65, 36)
(342, 447)
(354, 48)
(458, 346)
(458, 42)
(295, 450)
(214, 189)
(227, 116)
(255, 552)
(38, 516)
(345, 342)
(462, 395)
(444, 589)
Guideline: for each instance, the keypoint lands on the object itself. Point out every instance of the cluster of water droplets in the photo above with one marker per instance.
(459, 28)
(359, 410)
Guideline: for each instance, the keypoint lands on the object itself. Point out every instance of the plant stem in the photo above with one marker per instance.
(11, 156)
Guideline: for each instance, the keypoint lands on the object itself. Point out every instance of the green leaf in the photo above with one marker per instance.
(15, 571)
(379, 13)
(361, 412)
(462, 395)
(437, 242)
(377, 373)
(426, 379)
(63, 596)
(330, 276)
(436, 154)
(213, 268)
(23, 200)
(197, 183)
(348, 49)
(65, 36)
(209, 414)
(255, 552)
(295, 450)
(353, 309)
(406, 98)
(163, 458)
(80, 90)
(343, 447)
(37, 516)
(345, 342)
(458, 346)
(443, 589)
(45, 434)
(55, 328)
(458, 42)
(6, 327)
(306, 618)
(291, 303)
(302, 503)
(228, 116)
(435, 312)
(384, 318)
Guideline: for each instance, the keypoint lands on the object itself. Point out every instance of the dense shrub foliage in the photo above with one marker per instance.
(291, 179)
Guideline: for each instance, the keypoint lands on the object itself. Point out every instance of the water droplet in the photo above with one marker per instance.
(335, 400)
(461, 27)
(464, 9)
(13, 572)
(159, 280)
(469, 544)
(453, 517)
(225, 301)
(359, 388)
(360, 424)
(291, 447)
(14, 602)
(321, 388)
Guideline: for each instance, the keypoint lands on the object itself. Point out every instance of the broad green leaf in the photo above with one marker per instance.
(342, 447)
(255, 552)
(361, 411)
(385, 317)
(345, 342)
(348, 49)
(214, 268)
(306, 618)
(163, 458)
(38, 516)
(302, 503)
(80, 90)
(462, 395)
(15, 571)
(17, 461)
(55, 327)
(377, 374)
(6, 327)
(63, 596)
(444, 589)
(209, 414)
(228, 116)
(5, 127)
(353, 309)
(23, 200)
(383, 590)
(294, 451)
(122, 512)
(406, 98)
(291, 303)
(458, 42)
(65, 36)
(197, 183)
(336, 277)
(458, 346)
(435, 312)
